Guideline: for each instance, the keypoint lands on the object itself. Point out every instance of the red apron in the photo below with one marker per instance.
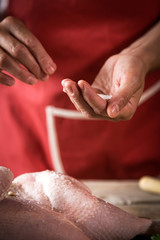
(79, 36)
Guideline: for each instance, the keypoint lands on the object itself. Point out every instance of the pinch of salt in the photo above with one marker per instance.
(105, 97)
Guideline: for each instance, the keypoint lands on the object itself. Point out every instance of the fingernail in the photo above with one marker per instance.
(32, 80)
(81, 85)
(50, 68)
(63, 82)
(115, 108)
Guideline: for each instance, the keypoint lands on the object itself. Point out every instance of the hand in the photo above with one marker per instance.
(122, 76)
(22, 55)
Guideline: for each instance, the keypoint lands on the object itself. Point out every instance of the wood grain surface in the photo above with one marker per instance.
(128, 196)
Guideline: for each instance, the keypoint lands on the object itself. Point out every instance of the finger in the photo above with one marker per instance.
(123, 105)
(125, 114)
(82, 106)
(18, 29)
(71, 88)
(95, 102)
(11, 66)
(6, 80)
(117, 103)
(21, 53)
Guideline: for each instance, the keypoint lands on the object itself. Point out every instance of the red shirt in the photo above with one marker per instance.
(80, 36)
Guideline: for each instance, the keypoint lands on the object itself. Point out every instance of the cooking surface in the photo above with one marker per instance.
(128, 196)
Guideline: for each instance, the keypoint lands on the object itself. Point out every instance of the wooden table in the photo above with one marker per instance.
(128, 196)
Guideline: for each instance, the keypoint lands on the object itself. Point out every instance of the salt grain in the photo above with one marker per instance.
(105, 97)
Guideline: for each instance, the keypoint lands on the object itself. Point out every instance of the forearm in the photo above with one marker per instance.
(147, 48)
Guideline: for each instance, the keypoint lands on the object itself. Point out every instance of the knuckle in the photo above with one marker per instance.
(22, 76)
(8, 20)
(35, 69)
(22, 73)
(31, 42)
(18, 49)
(13, 22)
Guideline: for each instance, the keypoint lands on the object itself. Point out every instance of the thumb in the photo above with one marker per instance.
(117, 103)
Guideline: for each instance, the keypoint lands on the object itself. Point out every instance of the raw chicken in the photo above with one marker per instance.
(6, 177)
(49, 205)
(22, 219)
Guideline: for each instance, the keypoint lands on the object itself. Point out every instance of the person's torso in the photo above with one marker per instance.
(80, 36)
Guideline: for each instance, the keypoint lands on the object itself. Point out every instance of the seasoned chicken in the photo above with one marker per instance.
(50, 205)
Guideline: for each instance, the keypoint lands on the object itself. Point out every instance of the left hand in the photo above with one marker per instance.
(122, 76)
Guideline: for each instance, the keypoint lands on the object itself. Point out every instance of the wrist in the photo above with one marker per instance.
(147, 49)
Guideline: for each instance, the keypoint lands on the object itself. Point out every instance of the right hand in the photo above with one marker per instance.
(122, 76)
(22, 55)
